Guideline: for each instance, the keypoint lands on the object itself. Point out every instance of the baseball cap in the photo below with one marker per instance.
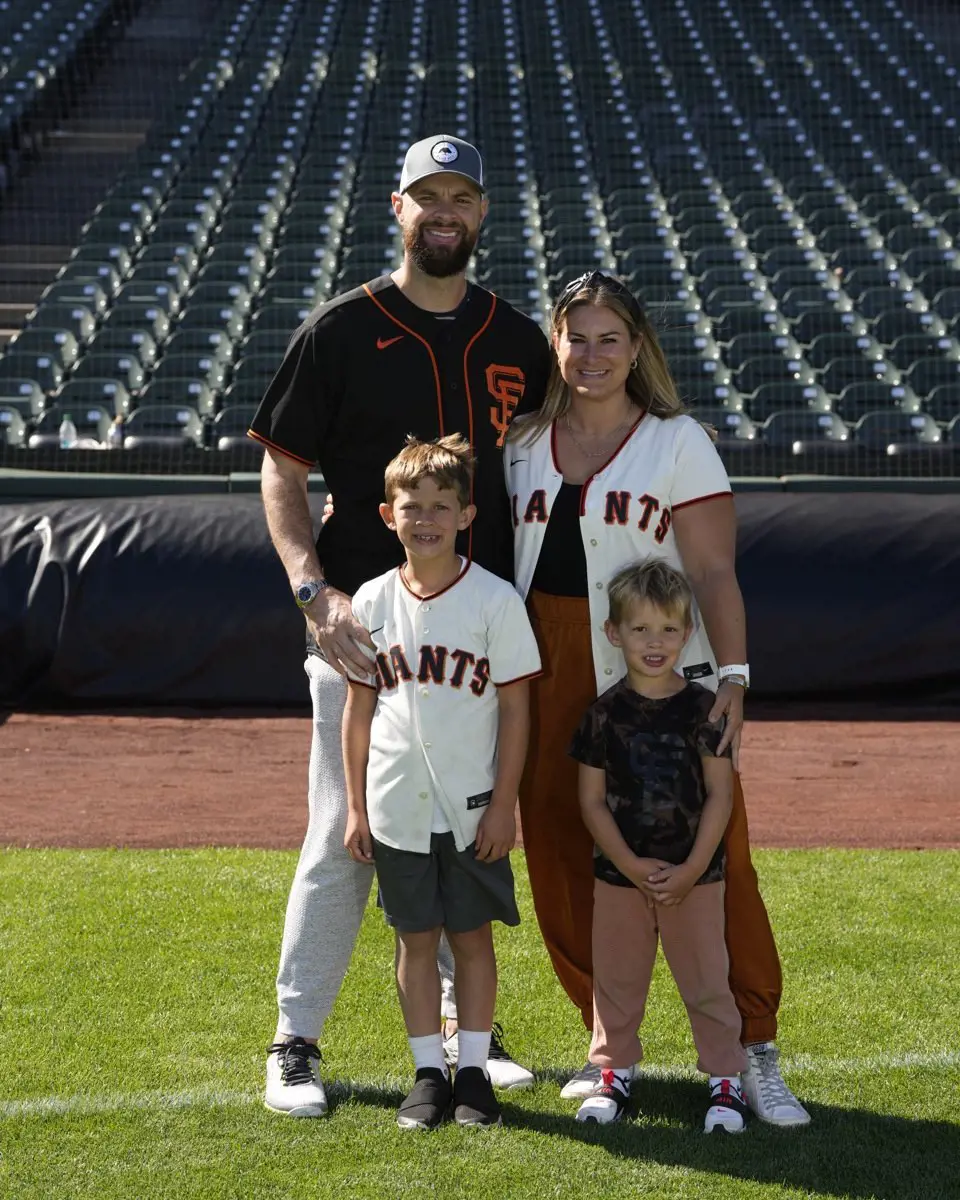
(440, 154)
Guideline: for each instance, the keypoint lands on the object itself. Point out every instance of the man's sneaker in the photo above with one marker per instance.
(606, 1103)
(727, 1110)
(586, 1081)
(427, 1101)
(293, 1080)
(504, 1072)
(474, 1103)
(765, 1090)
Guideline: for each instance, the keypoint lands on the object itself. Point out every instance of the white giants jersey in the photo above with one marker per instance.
(626, 516)
(439, 662)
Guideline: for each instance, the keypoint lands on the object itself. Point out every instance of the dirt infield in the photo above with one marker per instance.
(167, 781)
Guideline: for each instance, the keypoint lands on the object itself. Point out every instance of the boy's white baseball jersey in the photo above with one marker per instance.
(626, 512)
(439, 662)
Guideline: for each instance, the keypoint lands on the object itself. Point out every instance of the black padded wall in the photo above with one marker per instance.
(182, 601)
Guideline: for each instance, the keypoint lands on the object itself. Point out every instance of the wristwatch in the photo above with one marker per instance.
(736, 673)
(307, 592)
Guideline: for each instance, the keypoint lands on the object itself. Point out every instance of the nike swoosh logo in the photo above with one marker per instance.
(514, 461)
(383, 343)
(377, 630)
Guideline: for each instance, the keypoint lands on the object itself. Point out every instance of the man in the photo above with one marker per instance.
(421, 351)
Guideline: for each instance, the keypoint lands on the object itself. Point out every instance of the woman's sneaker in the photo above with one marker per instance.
(608, 1102)
(727, 1110)
(474, 1103)
(293, 1079)
(586, 1081)
(765, 1090)
(427, 1102)
(505, 1073)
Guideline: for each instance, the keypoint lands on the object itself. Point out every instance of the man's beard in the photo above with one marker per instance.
(438, 261)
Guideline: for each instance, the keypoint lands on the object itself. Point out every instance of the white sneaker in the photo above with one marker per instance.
(586, 1081)
(606, 1103)
(765, 1090)
(293, 1080)
(504, 1072)
(727, 1110)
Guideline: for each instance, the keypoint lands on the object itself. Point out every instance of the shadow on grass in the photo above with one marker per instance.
(843, 1151)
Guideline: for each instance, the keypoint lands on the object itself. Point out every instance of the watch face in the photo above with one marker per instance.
(306, 592)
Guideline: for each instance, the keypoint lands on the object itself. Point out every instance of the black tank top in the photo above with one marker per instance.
(562, 565)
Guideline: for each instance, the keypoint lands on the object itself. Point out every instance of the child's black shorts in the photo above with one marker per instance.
(447, 887)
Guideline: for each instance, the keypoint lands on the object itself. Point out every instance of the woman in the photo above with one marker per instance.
(608, 472)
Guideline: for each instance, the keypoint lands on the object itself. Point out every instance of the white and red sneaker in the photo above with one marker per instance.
(727, 1110)
(607, 1102)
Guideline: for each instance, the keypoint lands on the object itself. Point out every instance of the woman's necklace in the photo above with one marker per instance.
(605, 436)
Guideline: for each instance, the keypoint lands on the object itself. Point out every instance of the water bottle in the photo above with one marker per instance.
(68, 433)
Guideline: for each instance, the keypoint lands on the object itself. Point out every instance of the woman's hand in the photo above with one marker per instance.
(729, 704)
(327, 509)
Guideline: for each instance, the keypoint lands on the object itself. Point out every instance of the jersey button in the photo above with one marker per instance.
(426, 608)
(599, 584)
(424, 691)
(424, 796)
(427, 745)
(593, 542)
(608, 670)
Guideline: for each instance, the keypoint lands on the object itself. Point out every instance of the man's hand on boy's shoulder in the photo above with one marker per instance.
(357, 839)
(496, 833)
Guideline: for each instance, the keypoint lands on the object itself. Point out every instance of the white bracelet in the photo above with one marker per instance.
(741, 670)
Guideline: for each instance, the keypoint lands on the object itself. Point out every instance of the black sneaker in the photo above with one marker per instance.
(427, 1101)
(473, 1100)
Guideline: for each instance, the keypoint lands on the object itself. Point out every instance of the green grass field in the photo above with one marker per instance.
(137, 1002)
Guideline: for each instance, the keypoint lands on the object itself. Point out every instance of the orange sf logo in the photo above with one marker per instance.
(506, 386)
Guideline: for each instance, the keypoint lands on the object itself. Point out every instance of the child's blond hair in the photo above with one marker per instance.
(653, 580)
(448, 461)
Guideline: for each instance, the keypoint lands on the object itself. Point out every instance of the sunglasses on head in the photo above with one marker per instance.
(596, 280)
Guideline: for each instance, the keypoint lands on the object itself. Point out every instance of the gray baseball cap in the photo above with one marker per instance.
(441, 153)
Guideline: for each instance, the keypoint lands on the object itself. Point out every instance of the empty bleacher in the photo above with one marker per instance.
(779, 182)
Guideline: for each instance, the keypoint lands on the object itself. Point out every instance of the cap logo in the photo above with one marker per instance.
(444, 152)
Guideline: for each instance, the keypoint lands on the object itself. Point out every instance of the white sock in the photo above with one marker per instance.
(428, 1052)
(473, 1049)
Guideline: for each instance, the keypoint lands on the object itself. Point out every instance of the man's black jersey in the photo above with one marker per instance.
(369, 367)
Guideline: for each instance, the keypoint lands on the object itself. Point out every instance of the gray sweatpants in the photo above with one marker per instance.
(330, 890)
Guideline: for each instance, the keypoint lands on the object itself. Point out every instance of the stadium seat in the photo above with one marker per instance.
(91, 422)
(24, 395)
(896, 431)
(12, 427)
(163, 426)
(859, 398)
(87, 393)
(799, 430)
(229, 430)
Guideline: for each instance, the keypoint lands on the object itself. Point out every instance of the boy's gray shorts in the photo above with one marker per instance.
(446, 888)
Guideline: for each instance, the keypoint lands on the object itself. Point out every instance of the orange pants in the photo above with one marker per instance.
(559, 849)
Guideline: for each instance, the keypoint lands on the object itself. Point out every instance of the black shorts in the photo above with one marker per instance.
(445, 888)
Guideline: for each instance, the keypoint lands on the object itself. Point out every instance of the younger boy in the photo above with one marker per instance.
(657, 799)
(433, 754)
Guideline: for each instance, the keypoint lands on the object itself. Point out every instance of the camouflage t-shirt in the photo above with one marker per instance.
(650, 750)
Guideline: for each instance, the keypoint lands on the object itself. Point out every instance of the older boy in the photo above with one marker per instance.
(433, 754)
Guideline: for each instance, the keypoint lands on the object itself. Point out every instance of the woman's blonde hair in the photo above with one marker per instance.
(448, 461)
(649, 385)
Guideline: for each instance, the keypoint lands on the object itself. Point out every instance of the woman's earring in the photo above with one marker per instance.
(633, 364)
